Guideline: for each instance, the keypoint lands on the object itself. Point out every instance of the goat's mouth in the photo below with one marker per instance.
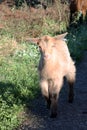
(47, 57)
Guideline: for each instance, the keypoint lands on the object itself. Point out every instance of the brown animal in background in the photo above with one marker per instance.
(78, 6)
(55, 63)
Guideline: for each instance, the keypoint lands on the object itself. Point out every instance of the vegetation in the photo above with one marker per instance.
(19, 59)
(77, 38)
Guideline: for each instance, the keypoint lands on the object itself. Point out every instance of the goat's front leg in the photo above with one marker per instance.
(48, 101)
(44, 90)
(53, 107)
(54, 89)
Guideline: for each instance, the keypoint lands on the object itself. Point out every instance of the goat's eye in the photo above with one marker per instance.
(40, 48)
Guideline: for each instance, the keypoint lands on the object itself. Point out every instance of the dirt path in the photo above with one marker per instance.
(70, 116)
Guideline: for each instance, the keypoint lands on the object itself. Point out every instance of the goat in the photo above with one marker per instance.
(55, 63)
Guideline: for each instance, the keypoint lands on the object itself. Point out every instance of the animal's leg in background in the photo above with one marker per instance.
(84, 13)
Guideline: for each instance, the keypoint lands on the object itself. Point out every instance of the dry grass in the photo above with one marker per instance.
(30, 22)
(8, 47)
(37, 16)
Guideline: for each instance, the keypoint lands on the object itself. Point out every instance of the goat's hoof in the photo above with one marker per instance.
(53, 115)
(70, 100)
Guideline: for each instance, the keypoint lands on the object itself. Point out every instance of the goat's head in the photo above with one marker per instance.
(47, 44)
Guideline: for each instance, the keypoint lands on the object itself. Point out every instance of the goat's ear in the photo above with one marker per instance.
(61, 36)
(32, 40)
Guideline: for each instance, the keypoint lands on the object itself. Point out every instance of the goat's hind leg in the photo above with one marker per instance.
(71, 80)
(71, 92)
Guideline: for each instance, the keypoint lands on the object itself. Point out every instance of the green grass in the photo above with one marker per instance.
(18, 84)
(18, 80)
